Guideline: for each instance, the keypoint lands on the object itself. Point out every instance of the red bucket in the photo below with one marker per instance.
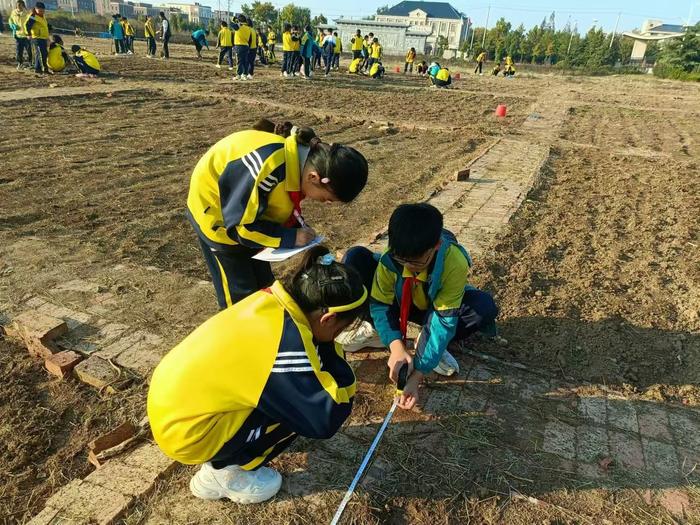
(501, 110)
(397, 69)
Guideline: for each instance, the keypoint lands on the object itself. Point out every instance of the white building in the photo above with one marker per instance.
(196, 13)
(652, 31)
(433, 19)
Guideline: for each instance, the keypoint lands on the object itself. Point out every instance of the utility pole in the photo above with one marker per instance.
(471, 44)
(483, 40)
(571, 38)
(612, 38)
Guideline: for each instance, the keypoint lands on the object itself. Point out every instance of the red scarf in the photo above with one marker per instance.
(406, 300)
(296, 197)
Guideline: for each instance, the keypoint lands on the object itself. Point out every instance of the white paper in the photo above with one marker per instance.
(282, 254)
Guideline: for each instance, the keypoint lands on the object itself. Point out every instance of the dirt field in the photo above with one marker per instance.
(597, 277)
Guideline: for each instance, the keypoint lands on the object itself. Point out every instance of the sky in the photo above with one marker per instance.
(584, 13)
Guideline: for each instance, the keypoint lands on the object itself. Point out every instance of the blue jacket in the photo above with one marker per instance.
(116, 29)
(439, 294)
(200, 37)
(308, 44)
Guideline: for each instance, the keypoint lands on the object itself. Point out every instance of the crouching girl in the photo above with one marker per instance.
(239, 389)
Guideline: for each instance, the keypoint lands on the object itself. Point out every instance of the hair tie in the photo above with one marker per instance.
(294, 131)
(326, 260)
(325, 180)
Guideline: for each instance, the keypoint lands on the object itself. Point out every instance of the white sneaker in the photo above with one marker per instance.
(236, 484)
(447, 366)
(285, 74)
(218, 66)
(364, 336)
(230, 69)
(250, 77)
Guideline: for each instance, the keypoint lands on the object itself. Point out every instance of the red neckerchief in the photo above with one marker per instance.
(406, 300)
(296, 197)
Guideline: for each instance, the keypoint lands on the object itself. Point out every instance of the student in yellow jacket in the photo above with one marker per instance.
(356, 45)
(410, 59)
(17, 22)
(375, 52)
(241, 40)
(239, 389)
(224, 41)
(85, 61)
(129, 34)
(252, 53)
(271, 42)
(245, 195)
(337, 50)
(149, 31)
(480, 59)
(37, 28)
(57, 59)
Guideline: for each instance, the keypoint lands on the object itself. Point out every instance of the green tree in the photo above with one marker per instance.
(683, 53)
(383, 10)
(441, 44)
(294, 15)
(262, 13)
(320, 19)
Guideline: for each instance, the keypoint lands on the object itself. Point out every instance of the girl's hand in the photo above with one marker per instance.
(304, 236)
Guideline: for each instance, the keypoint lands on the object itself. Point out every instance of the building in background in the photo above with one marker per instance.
(651, 31)
(395, 37)
(195, 13)
(222, 15)
(142, 9)
(51, 5)
(102, 7)
(118, 7)
(434, 19)
(86, 6)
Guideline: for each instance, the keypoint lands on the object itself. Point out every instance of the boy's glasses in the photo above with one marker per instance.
(417, 263)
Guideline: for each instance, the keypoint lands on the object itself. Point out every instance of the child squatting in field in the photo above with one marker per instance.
(239, 389)
(422, 277)
(245, 195)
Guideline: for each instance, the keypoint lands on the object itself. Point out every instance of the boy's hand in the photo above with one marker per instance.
(398, 357)
(304, 236)
(409, 397)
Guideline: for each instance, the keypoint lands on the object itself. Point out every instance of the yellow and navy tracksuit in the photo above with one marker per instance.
(242, 198)
(376, 70)
(57, 57)
(241, 387)
(287, 52)
(442, 77)
(149, 31)
(356, 43)
(355, 65)
(480, 62)
(37, 28)
(87, 62)
(375, 55)
(241, 39)
(225, 42)
(410, 58)
(253, 51)
(440, 299)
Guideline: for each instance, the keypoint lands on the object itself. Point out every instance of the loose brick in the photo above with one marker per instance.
(621, 414)
(62, 363)
(137, 351)
(149, 458)
(96, 372)
(593, 408)
(591, 443)
(661, 459)
(113, 438)
(83, 502)
(125, 479)
(559, 439)
(45, 517)
(37, 330)
(626, 450)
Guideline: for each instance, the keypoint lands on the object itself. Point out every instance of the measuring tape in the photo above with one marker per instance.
(403, 376)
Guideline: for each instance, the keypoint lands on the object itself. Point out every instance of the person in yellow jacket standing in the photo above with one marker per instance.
(128, 35)
(38, 30)
(253, 51)
(337, 50)
(375, 52)
(246, 193)
(149, 31)
(239, 389)
(271, 41)
(18, 24)
(241, 41)
(480, 59)
(356, 45)
(224, 42)
(410, 59)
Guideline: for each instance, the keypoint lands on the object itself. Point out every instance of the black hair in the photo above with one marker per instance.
(345, 168)
(370, 34)
(359, 32)
(224, 24)
(57, 39)
(40, 5)
(335, 33)
(287, 27)
(75, 48)
(307, 29)
(162, 14)
(375, 39)
(414, 229)
(317, 285)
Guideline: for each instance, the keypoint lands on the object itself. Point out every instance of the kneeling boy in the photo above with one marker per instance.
(85, 61)
(423, 278)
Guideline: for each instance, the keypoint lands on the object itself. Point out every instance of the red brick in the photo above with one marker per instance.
(62, 363)
(96, 372)
(113, 438)
(37, 330)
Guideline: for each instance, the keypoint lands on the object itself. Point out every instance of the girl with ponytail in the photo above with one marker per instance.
(246, 193)
(239, 389)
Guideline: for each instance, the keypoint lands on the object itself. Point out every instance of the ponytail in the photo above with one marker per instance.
(321, 283)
